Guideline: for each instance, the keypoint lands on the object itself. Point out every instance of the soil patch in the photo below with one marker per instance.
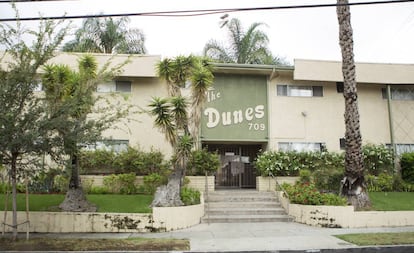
(60, 244)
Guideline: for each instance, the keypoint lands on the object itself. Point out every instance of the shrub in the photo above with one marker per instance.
(44, 181)
(377, 159)
(190, 196)
(381, 183)
(305, 176)
(328, 180)
(202, 161)
(98, 161)
(98, 190)
(308, 194)
(290, 163)
(122, 183)
(152, 181)
(131, 160)
(407, 167)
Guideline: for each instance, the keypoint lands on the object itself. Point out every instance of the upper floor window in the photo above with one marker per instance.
(115, 86)
(400, 93)
(299, 91)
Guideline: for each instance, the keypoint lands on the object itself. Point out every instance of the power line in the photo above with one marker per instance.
(189, 13)
(27, 1)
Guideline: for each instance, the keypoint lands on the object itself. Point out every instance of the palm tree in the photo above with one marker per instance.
(108, 36)
(353, 185)
(171, 116)
(248, 47)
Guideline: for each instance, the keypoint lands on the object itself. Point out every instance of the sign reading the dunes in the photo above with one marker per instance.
(236, 109)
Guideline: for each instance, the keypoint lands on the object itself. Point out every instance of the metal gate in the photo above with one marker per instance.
(237, 170)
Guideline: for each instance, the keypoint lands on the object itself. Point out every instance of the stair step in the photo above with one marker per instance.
(243, 206)
(246, 211)
(245, 218)
(231, 198)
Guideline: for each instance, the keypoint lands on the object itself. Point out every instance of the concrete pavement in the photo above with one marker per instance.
(268, 236)
(256, 237)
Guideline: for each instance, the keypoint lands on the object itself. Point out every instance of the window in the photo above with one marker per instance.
(342, 144)
(402, 148)
(400, 93)
(115, 145)
(123, 86)
(301, 146)
(118, 86)
(299, 91)
(340, 87)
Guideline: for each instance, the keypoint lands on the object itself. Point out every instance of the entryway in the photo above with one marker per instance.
(237, 169)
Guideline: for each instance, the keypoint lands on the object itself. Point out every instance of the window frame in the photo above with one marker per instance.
(286, 90)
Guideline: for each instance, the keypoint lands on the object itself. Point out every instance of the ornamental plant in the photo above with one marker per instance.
(308, 194)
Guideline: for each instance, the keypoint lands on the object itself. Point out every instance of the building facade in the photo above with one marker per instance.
(259, 107)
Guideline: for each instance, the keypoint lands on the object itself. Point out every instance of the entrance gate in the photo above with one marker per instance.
(237, 170)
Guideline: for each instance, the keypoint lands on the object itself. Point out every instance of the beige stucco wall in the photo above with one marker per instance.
(383, 73)
(320, 119)
(139, 127)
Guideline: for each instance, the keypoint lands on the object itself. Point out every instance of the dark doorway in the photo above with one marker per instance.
(237, 170)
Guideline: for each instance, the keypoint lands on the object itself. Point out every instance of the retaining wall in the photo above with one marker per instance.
(345, 216)
(161, 219)
(196, 182)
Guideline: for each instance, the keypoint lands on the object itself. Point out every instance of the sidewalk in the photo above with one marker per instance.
(265, 236)
(255, 237)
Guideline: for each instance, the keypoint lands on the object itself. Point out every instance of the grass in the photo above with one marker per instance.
(392, 201)
(59, 244)
(379, 238)
(110, 203)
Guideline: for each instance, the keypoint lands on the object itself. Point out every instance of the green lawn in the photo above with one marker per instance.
(105, 202)
(392, 201)
(379, 238)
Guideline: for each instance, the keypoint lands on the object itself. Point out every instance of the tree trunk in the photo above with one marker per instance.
(75, 199)
(169, 195)
(13, 175)
(353, 184)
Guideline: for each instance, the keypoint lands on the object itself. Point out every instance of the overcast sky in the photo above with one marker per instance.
(382, 33)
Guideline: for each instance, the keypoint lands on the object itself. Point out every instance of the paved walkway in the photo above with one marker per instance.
(265, 236)
(270, 236)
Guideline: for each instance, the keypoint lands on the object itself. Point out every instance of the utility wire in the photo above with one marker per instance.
(191, 13)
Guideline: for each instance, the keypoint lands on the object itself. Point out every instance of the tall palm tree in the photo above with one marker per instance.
(353, 185)
(249, 47)
(108, 36)
(172, 117)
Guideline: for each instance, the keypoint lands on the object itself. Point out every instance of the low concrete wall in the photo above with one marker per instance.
(97, 180)
(199, 183)
(71, 222)
(269, 183)
(345, 216)
(162, 219)
(196, 182)
(173, 218)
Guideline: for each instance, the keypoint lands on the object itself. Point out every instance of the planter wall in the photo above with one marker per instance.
(199, 183)
(269, 183)
(162, 219)
(345, 216)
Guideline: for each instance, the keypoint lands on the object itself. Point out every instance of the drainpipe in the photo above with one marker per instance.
(394, 150)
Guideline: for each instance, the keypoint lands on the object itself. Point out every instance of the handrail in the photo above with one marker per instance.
(280, 187)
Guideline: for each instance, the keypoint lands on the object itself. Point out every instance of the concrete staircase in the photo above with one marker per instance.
(243, 206)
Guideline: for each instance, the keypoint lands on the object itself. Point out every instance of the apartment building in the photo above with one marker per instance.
(261, 107)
